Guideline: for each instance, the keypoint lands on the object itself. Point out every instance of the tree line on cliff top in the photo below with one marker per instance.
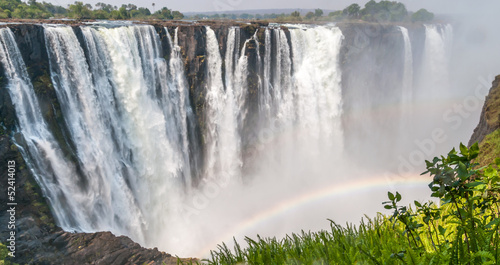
(372, 11)
(79, 10)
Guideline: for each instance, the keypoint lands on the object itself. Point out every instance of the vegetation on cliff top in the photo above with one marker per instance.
(464, 229)
(372, 11)
(79, 10)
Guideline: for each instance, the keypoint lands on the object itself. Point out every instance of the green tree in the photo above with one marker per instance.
(79, 11)
(318, 12)
(422, 15)
(309, 15)
(177, 15)
(131, 7)
(384, 11)
(19, 12)
(54, 10)
(100, 14)
(295, 14)
(124, 13)
(115, 14)
(352, 10)
(143, 12)
(105, 7)
(4, 13)
(398, 11)
(163, 13)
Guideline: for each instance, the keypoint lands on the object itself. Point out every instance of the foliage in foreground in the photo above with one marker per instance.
(463, 230)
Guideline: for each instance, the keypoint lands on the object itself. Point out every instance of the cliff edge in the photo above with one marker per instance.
(487, 132)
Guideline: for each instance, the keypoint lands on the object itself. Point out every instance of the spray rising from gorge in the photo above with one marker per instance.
(278, 114)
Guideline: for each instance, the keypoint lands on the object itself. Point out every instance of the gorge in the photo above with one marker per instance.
(176, 135)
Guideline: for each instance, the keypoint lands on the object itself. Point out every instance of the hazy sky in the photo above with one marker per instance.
(437, 6)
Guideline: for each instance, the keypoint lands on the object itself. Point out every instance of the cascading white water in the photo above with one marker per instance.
(276, 101)
(157, 149)
(57, 176)
(133, 163)
(435, 78)
(231, 47)
(109, 194)
(407, 89)
(282, 85)
(255, 39)
(178, 94)
(223, 158)
(265, 94)
(317, 90)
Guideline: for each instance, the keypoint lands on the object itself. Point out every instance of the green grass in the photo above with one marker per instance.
(464, 229)
(490, 147)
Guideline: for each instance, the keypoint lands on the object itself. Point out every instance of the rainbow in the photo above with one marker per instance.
(314, 197)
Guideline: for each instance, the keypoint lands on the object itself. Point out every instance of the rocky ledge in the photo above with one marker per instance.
(96, 248)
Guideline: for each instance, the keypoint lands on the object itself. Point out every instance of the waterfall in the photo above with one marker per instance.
(231, 48)
(407, 91)
(276, 102)
(282, 76)
(316, 78)
(223, 157)
(179, 94)
(57, 177)
(435, 75)
(265, 93)
(132, 163)
(110, 201)
(258, 69)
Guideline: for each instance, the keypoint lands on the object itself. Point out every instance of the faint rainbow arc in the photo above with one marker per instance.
(310, 197)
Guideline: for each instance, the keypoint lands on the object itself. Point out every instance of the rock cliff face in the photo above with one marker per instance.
(487, 132)
(40, 241)
(490, 115)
